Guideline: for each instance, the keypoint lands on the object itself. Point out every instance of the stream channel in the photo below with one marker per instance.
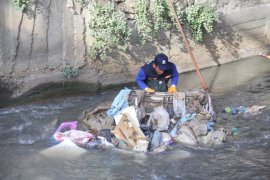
(24, 133)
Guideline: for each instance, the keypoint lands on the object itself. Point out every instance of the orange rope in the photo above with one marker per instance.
(188, 48)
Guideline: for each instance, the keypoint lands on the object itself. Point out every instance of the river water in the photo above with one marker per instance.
(24, 133)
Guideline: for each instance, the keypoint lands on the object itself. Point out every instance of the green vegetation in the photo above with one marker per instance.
(149, 21)
(69, 72)
(200, 18)
(108, 28)
(141, 17)
(21, 5)
(82, 2)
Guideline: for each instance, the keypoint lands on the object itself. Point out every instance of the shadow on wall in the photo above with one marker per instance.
(222, 33)
(45, 91)
(38, 7)
(16, 44)
(146, 52)
(228, 38)
(35, 8)
(231, 40)
(36, 39)
(137, 53)
(6, 90)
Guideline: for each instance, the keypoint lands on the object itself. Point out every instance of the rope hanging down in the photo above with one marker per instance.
(188, 47)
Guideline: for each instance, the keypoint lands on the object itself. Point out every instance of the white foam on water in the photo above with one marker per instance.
(66, 149)
(177, 154)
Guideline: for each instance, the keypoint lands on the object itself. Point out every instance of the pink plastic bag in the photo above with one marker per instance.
(67, 125)
(76, 136)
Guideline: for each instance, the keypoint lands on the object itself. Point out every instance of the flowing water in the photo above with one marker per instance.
(25, 132)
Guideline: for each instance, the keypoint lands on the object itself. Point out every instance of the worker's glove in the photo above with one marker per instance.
(149, 90)
(172, 89)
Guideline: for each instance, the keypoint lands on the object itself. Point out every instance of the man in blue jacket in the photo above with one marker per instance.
(155, 75)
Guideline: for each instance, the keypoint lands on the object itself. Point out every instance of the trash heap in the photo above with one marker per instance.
(255, 109)
(144, 122)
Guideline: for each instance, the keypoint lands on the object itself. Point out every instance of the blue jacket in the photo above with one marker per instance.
(147, 72)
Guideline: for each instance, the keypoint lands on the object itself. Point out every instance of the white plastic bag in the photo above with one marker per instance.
(159, 119)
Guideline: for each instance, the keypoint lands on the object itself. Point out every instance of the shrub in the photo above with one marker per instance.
(69, 72)
(108, 28)
(200, 18)
(21, 5)
(141, 19)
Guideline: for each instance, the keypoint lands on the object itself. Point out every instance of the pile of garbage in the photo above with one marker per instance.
(255, 109)
(146, 122)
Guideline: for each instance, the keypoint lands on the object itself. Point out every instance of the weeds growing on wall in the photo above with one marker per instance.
(21, 5)
(108, 28)
(149, 20)
(200, 19)
(83, 2)
(162, 17)
(69, 72)
(142, 23)
(159, 16)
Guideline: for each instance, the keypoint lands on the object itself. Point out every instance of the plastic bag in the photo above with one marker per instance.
(159, 119)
